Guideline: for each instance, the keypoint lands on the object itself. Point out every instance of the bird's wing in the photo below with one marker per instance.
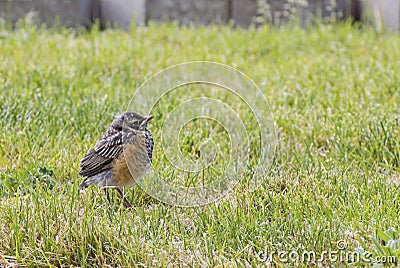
(100, 158)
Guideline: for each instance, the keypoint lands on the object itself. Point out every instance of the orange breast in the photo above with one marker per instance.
(121, 174)
(138, 164)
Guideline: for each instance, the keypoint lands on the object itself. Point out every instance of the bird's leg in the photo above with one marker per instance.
(106, 193)
(127, 203)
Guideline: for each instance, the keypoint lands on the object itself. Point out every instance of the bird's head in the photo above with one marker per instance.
(134, 121)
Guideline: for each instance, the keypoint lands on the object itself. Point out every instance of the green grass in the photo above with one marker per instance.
(334, 93)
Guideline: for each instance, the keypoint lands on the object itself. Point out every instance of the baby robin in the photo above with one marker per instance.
(127, 139)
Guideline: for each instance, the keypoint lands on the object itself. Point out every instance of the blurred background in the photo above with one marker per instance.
(243, 13)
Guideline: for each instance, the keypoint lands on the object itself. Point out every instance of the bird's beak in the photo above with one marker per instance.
(146, 119)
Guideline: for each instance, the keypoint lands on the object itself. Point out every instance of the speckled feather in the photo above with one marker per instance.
(102, 159)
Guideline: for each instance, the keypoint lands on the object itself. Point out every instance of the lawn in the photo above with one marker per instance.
(334, 92)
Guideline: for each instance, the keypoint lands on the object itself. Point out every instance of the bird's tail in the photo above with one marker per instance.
(101, 179)
(84, 184)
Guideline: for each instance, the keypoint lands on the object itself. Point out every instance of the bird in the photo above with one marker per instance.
(121, 156)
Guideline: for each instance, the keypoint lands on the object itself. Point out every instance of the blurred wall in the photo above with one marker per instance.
(72, 13)
(121, 13)
(66, 12)
(386, 13)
